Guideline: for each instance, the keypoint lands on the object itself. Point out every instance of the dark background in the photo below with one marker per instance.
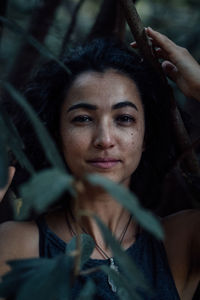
(60, 25)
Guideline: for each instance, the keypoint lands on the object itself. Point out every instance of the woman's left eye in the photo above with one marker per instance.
(82, 119)
(125, 119)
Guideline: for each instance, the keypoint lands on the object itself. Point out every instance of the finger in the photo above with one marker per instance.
(170, 70)
(11, 173)
(160, 40)
(160, 53)
(133, 45)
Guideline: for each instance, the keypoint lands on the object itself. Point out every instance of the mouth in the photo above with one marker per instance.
(104, 163)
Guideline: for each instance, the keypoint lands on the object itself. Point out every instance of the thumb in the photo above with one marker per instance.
(170, 70)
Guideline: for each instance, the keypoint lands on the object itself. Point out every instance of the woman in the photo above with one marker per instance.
(103, 128)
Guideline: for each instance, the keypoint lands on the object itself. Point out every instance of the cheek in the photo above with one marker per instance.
(135, 145)
(135, 138)
(73, 143)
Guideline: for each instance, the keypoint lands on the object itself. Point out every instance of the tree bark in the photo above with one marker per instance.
(181, 138)
(40, 23)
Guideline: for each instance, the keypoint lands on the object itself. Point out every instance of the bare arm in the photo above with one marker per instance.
(178, 64)
(18, 240)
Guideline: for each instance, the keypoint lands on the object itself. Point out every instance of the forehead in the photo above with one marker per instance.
(103, 89)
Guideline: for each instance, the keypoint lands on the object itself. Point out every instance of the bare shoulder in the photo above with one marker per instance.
(182, 245)
(181, 229)
(18, 240)
(185, 219)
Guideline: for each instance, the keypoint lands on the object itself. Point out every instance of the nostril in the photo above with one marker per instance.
(104, 144)
(104, 138)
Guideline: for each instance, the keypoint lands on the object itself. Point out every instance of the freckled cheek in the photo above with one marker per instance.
(134, 138)
(134, 147)
(74, 144)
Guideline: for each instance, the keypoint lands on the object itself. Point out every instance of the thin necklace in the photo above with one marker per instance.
(100, 250)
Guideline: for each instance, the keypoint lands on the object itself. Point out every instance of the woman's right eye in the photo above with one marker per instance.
(82, 119)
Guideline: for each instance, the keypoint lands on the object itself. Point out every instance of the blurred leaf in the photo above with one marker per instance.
(45, 140)
(131, 203)
(125, 290)
(21, 270)
(42, 189)
(31, 40)
(12, 139)
(38, 279)
(88, 291)
(124, 261)
(3, 163)
(87, 247)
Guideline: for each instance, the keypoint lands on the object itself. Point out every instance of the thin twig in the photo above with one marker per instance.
(89, 271)
(71, 26)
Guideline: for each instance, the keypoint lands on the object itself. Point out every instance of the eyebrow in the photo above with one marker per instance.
(124, 104)
(94, 107)
(82, 105)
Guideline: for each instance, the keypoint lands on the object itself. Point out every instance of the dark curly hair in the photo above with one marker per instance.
(47, 91)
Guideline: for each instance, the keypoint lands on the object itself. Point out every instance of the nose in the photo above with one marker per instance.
(104, 137)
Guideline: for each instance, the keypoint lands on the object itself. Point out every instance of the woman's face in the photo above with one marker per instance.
(102, 126)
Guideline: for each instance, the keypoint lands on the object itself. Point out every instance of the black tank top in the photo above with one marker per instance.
(147, 252)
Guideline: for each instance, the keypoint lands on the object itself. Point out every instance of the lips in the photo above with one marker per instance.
(104, 163)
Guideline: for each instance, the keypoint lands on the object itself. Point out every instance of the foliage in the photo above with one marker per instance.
(37, 278)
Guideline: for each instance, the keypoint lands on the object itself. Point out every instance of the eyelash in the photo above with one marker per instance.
(121, 119)
(82, 119)
(126, 119)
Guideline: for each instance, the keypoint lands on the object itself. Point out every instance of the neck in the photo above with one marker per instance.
(100, 203)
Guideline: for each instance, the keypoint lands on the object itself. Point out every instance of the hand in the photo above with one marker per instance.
(11, 174)
(178, 64)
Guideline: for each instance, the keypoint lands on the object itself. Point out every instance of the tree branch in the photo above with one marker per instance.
(181, 138)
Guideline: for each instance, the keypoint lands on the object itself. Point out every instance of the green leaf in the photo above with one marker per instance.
(32, 41)
(42, 189)
(125, 290)
(39, 279)
(124, 261)
(44, 138)
(52, 281)
(21, 270)
(3, 163)
(88, 291)
(131, 203)
(12, 139)
(87, 247)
